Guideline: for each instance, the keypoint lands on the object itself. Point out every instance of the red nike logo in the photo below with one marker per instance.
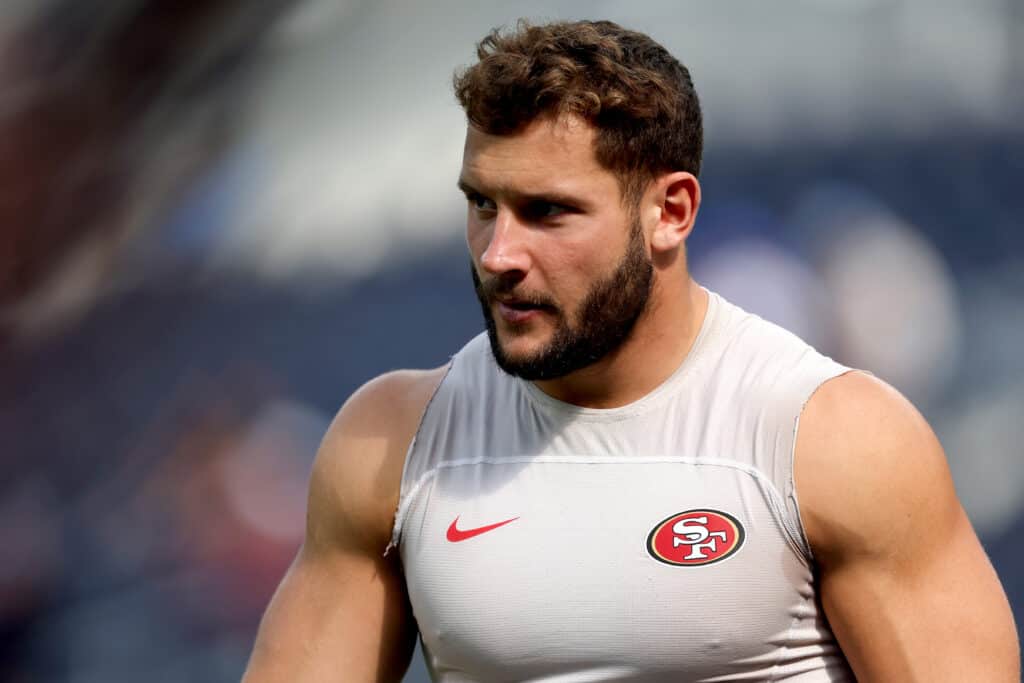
(456, 534)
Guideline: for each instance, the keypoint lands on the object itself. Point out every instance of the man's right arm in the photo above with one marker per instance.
(341, 612)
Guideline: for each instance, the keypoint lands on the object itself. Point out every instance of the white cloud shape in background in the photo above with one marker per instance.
(895, 304)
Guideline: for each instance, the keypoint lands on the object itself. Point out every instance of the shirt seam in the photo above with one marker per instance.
(774, 498)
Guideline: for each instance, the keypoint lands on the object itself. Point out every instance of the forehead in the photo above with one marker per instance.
(547, 155)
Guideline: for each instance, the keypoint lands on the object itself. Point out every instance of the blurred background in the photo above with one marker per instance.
(218, 218)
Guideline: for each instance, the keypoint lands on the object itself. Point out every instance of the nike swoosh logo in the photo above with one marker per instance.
(455, 534)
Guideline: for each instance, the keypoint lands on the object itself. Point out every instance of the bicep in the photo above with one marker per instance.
(905, 584)
(342, 611)
(932, 611)
(335, 616)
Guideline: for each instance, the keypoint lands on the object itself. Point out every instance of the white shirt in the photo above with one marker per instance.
(658, 541)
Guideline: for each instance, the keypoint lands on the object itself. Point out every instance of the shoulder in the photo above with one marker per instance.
(357, 473)
(387, 407)
(903, 579)
(870, 473)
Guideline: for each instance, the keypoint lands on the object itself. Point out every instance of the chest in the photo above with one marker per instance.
(629, 569)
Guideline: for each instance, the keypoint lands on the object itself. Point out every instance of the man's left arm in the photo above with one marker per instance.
(905, 583)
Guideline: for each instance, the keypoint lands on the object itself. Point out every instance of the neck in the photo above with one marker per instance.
(660, 341)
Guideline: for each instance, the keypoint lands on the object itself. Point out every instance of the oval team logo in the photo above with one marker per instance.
(696, 537)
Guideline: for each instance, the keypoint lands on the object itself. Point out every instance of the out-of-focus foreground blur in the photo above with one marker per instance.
(218, 218)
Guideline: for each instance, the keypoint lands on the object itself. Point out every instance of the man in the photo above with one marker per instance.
(605, 486)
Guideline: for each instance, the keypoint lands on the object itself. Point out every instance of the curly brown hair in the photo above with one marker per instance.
(638, 96)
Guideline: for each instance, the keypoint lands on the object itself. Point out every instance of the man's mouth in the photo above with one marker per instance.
(518, 311)
(518, 305)
(524, 303)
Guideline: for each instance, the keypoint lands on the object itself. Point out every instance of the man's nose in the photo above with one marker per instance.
(507, 250)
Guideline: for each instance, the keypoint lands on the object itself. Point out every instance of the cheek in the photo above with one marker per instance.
(569, 282)
(576, 264)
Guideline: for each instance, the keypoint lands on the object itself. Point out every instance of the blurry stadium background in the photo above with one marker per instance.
(218, 218)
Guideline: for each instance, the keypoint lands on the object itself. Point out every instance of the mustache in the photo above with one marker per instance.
(498, 288)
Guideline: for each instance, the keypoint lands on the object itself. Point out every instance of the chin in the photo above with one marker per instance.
(518, 349)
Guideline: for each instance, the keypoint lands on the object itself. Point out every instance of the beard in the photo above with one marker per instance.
(601, 324)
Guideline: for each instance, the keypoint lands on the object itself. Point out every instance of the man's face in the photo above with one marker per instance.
(559, 265)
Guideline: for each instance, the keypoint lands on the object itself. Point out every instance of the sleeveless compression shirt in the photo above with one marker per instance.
(658, 541)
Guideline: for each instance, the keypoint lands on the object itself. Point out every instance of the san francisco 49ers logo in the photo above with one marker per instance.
(695, 537)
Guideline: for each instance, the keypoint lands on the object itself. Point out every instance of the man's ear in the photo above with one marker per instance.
(677, 199)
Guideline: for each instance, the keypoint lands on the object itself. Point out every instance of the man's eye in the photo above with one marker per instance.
(481, 203)
(541, 210)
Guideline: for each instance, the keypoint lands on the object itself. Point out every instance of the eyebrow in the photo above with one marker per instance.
(527, 197)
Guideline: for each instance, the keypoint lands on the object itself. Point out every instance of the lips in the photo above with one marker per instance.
(519, 305)
(518, 311)
(517, 316)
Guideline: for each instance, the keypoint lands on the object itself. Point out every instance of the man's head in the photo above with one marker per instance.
(638, 97)
(570, 125)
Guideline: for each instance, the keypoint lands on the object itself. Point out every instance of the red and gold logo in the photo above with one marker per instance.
(695, 538)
